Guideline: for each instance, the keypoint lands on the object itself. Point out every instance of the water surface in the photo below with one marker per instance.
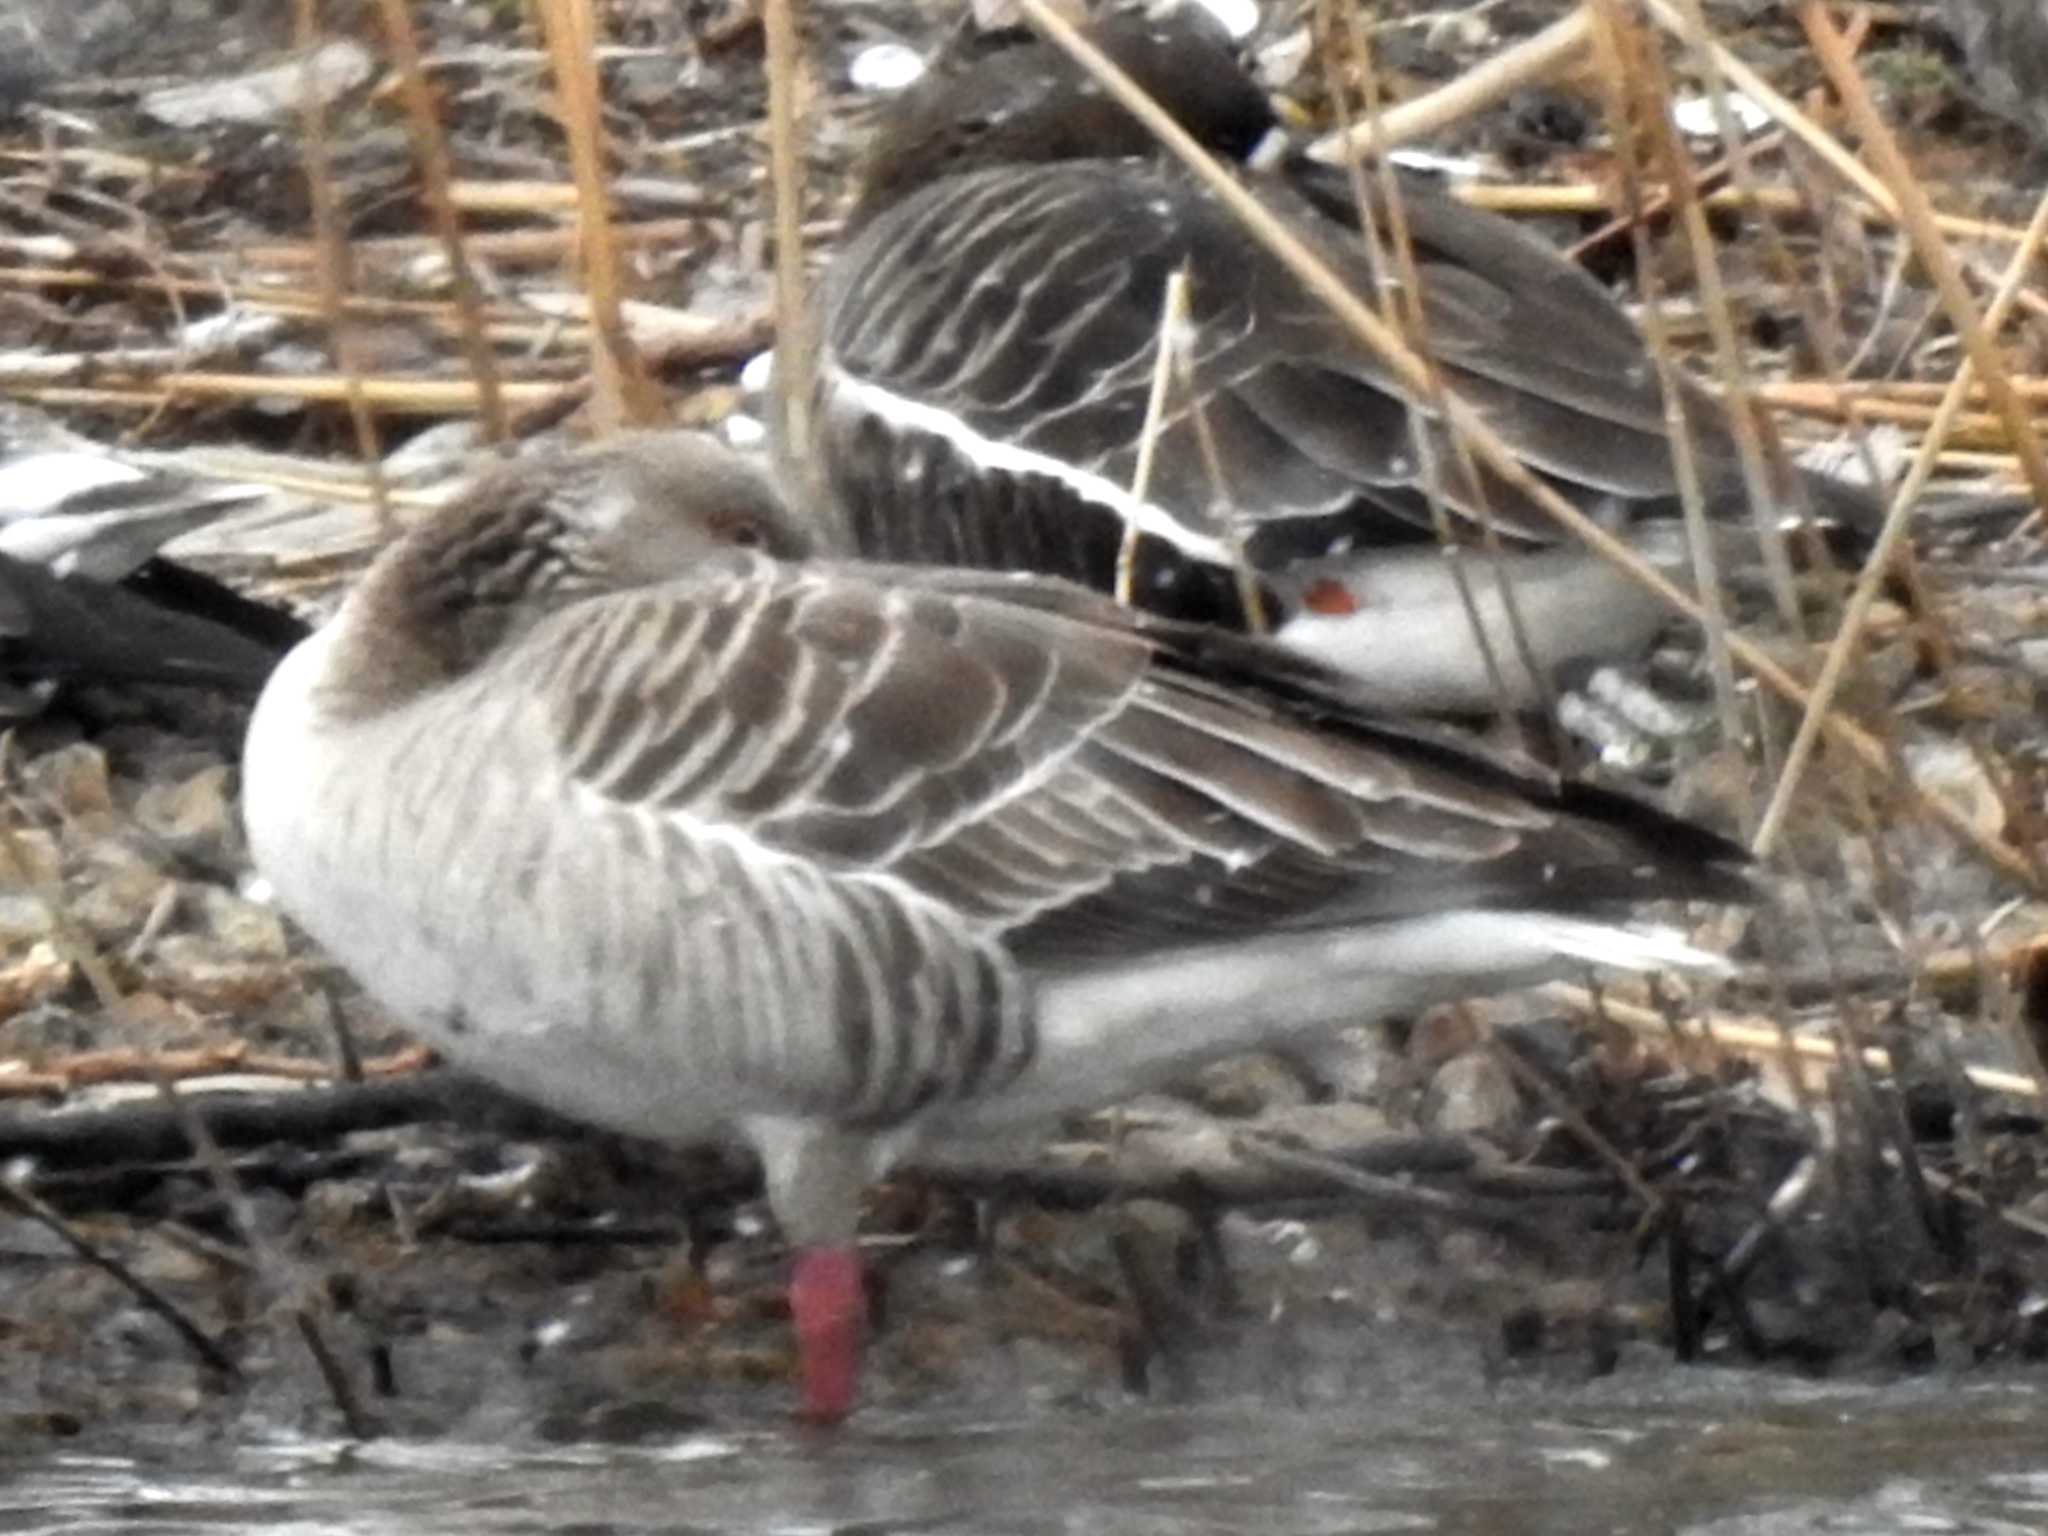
(1716, 1453)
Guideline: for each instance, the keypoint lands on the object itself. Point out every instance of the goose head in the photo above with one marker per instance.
(536, 535)
(1027, 103)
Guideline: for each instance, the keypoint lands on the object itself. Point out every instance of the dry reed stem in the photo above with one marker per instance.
(1596, 197)
(1870, 580)
(1638, 98)
(1414, 376)
(506, 247)
(793, 340)
(1824, 397)
(1547, 54)
(1760, 1037)
(1173, 315)
(430, 151)
(1918, 215)
(621, 393)
(398, 397)
(331, 272)
(66, 1074)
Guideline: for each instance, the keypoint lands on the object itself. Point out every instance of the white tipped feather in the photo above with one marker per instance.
(87, 514)
(1633, 948)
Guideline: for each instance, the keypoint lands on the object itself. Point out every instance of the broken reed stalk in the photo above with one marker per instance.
(26, 1206)
(1414, 376)
(1531, 61)
(1762, 1037)
(414, 397)
(430, 153)
(331, 274)
(61, 1075)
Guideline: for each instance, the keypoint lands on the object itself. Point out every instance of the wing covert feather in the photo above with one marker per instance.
(1043, 772)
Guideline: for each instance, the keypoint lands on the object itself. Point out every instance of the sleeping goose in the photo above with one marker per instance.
(689, 840)
(987, 340)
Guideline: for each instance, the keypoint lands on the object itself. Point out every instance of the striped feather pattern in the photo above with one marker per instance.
(688, 842)
(807, 836)
(990, 327)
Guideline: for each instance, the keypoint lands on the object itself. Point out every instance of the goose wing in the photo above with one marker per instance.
(1052, 770)
(1021, 306)
(53, 628)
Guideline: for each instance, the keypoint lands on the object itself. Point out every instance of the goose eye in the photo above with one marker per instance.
(743, 534)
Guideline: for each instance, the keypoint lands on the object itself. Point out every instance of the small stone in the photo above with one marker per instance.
(37, 977)
(272, 95)
(1440, 1035)
(37, 860)
(1473, 1093)
(243, 929)
(194, 970)
(1949, 771)
(1329, 1130)
(74, 778)
(24, 919)
(193, 816)
(114, 906)
(1247, 1085)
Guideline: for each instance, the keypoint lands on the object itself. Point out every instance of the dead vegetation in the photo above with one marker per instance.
(347, 271)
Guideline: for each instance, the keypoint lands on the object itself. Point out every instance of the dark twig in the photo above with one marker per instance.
(27, 1205)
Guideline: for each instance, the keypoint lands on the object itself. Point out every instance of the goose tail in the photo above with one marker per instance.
(1108, 1031)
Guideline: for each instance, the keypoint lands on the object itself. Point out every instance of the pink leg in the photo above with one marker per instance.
(829, 1307)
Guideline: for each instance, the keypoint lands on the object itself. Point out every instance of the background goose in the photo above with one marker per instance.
(988, 334)
(687, 842)
(84, 594)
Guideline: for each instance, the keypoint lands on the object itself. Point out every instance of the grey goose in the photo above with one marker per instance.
(691, 841)
(987, 333)
(85, 595)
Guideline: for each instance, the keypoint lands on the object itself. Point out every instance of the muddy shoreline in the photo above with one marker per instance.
(1551, 1187)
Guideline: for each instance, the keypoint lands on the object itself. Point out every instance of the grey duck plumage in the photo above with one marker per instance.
(988, 332)
(689, 842)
